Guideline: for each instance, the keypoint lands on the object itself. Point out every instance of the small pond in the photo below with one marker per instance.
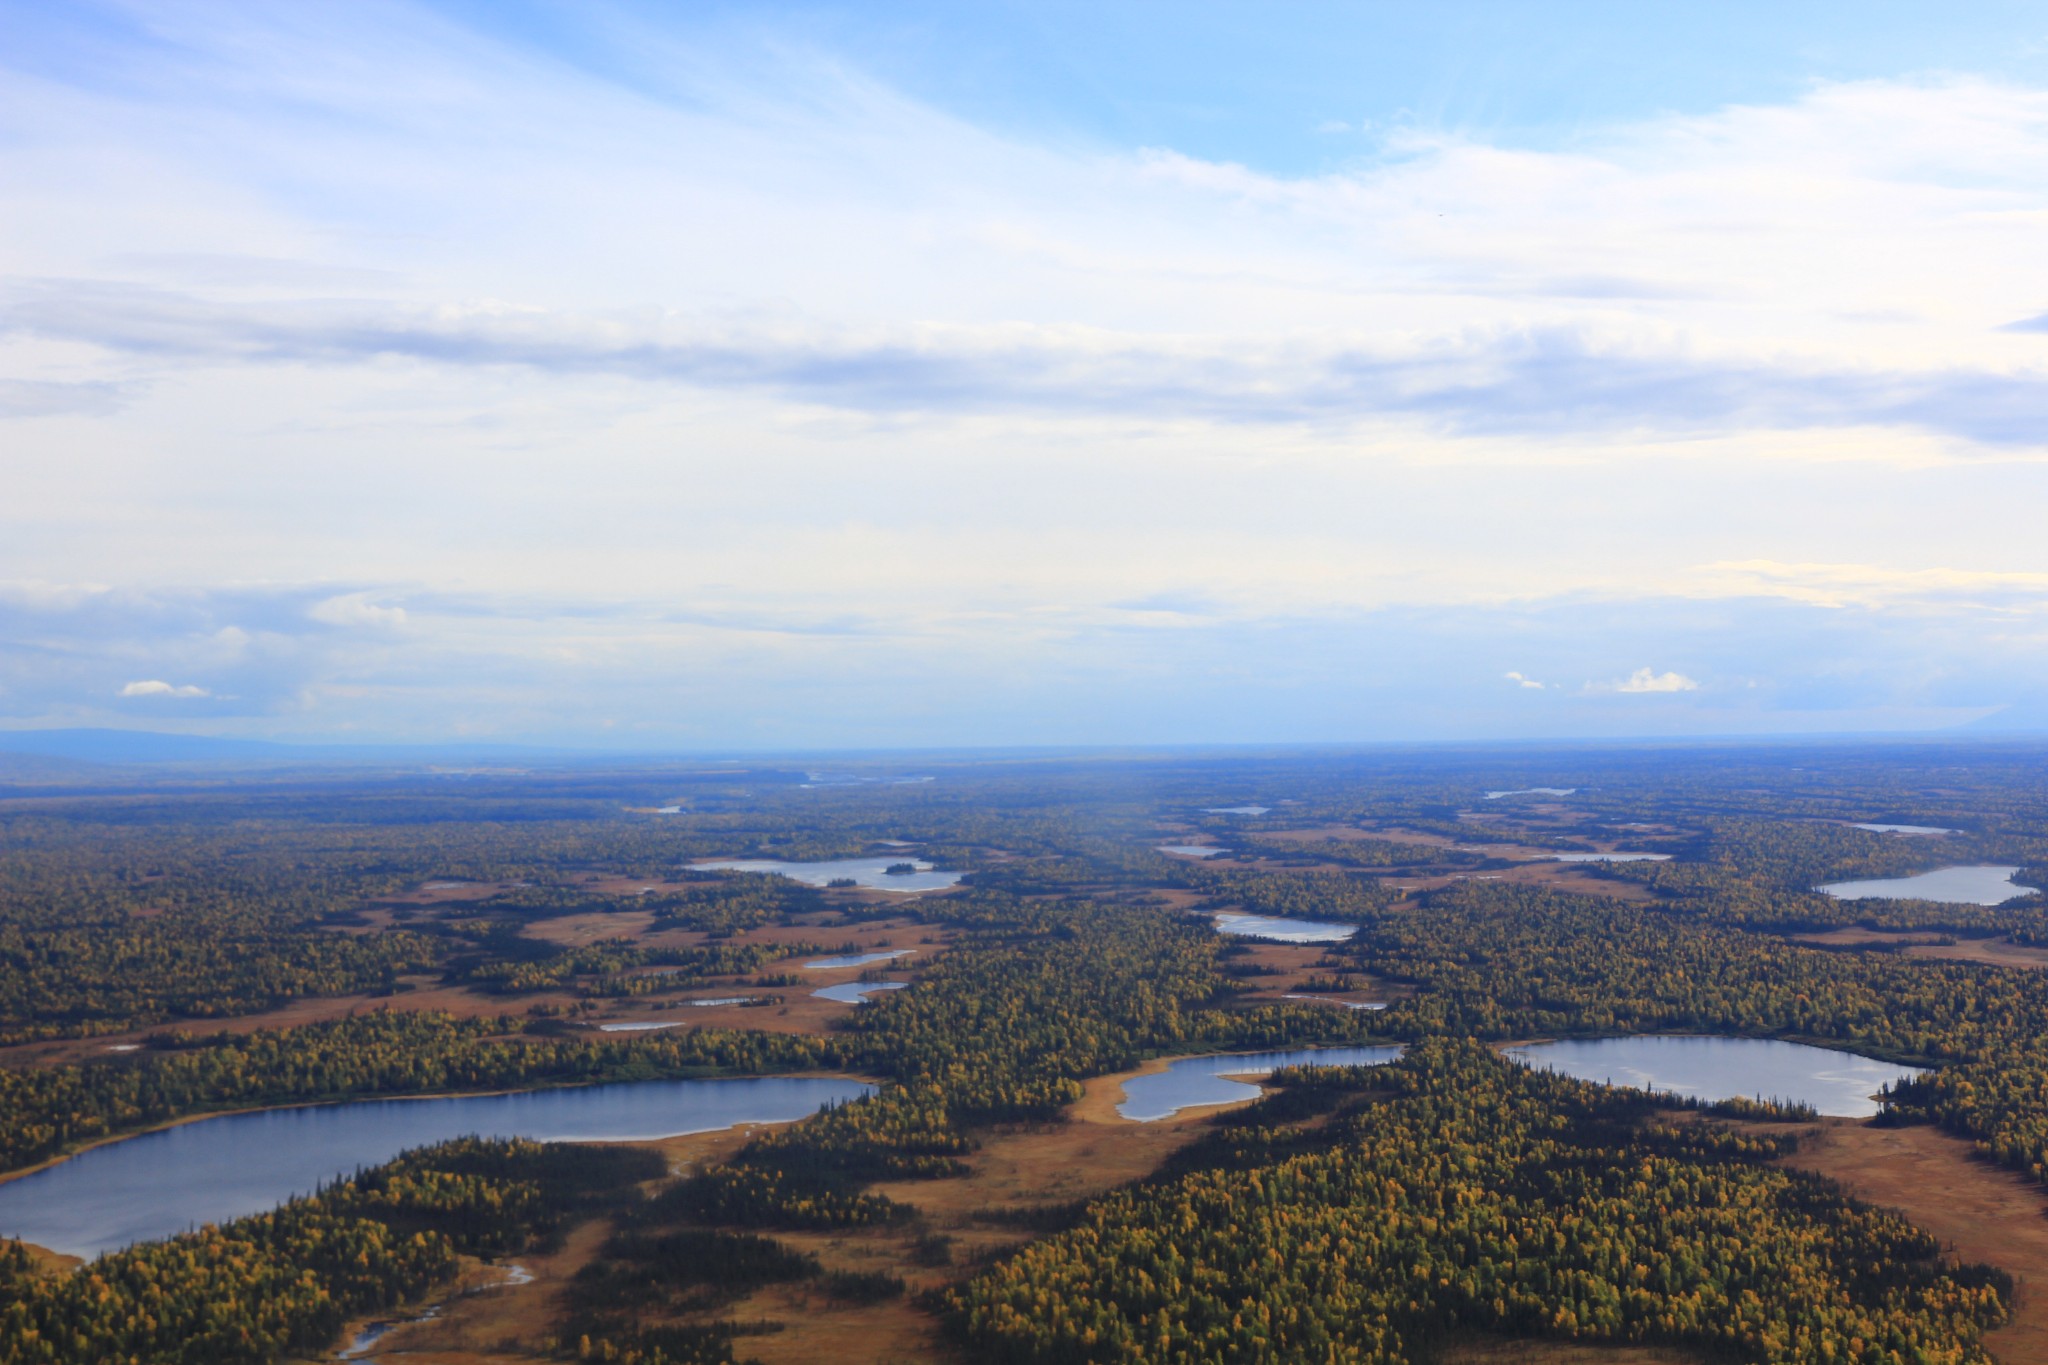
(872, 873)
(1949, 885)
(1191, 850)
(828, 964)
(162, 1183)
(1333, 1000)
(856, 992)
(1834, 1083)
(1193, 1082)
(1283, 930)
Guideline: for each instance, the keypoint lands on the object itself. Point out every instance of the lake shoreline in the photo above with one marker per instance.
(21, 1172)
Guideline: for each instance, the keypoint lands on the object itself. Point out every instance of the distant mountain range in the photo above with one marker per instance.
(126, 748)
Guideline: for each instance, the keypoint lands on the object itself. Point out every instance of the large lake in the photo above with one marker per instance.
(1834, 1083)
(162, 1183)
(1193, 1082)
(1283, 930)
(1950, 885)
(872, 873)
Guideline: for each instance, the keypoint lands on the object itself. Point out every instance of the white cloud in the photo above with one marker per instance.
(156, 687)
(768, 342)
(1520, 681)
(356, 611)
(1643, 680)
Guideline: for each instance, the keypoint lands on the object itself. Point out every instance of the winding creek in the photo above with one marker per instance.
(161, 1183)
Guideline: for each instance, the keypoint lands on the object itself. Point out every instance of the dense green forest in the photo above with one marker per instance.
(1352, 1216)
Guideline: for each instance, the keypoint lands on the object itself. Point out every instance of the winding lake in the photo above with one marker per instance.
(215, 1169)
(1949, 885)
(1283, 930)
(872, 873)
(1834, 1083)
(1193, 1082)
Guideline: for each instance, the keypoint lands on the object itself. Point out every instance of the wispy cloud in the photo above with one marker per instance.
(356, 610)
(53, 398)
(1527, 381)
(753, 391)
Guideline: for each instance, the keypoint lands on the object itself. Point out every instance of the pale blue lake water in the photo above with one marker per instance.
(1193, 1082)
(1948, 885)
(826, 964)
(856, 992)
(1532, 791)
(1904, 829)
(1834, 1083)
(1236, 810)
(1283, 930)
(162, 1183)
(1191, 850)
(1609, 857)
(872, 873)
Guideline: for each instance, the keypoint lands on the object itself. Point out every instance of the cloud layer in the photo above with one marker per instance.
(366, 372)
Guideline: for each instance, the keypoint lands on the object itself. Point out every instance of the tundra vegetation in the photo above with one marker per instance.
(252, 940)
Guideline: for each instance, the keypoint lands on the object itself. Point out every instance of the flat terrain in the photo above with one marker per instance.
(1979, 1211)
(1019, 1168)
(1998, 952)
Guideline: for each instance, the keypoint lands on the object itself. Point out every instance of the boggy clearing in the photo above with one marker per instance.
(1980, 1212)
(1016, 1170)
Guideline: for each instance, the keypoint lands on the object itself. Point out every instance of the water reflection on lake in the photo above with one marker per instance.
(216, 1169)
(1532, 791)
(872, 873)
(1283, 930)
(1193, 1082)
(826, 964)
(1609, 857)
(1834, 1083)
(1949, 885)
(1236, 810)
(856, 992)
(1904, 829)
(1191, 850)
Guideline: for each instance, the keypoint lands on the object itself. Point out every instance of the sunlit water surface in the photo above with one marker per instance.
(1835, 1083)
(216, 1169)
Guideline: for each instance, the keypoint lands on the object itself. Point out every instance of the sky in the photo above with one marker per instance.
(757, 376)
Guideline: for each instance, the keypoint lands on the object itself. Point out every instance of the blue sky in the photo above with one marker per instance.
(762, 375)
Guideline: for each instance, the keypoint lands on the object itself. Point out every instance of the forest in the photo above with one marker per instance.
(261, 939)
